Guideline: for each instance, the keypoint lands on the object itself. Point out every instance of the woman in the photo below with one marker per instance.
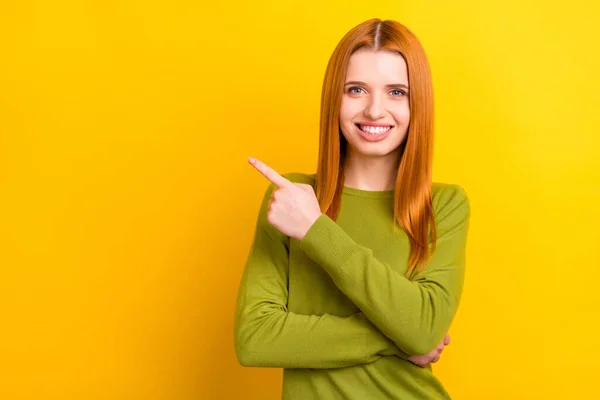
(356, 272)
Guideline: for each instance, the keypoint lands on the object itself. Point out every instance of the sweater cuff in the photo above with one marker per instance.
(328, 244)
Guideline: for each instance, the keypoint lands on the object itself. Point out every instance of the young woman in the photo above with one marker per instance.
(355, 273)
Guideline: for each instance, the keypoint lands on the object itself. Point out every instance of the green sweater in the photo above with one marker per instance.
(335, 310)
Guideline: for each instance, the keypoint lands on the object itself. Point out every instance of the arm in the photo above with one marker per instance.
(266, 334)
(414, 313)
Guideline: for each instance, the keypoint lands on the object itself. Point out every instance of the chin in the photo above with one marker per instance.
(375, 149)
(372, 151)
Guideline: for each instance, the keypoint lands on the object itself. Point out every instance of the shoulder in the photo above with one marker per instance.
(450, 202)
(300, 177)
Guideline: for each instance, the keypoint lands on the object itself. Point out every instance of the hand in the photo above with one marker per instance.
(433, 356)
(293, 207)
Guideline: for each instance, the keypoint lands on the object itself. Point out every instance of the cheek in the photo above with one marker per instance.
(402, 114)
(347, 115)
(349, 110)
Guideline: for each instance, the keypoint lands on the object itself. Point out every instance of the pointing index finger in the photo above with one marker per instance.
(269, 173)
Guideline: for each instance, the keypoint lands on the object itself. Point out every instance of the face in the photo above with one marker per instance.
(375, 113)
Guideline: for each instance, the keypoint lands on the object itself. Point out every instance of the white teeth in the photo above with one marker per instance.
(374, 130)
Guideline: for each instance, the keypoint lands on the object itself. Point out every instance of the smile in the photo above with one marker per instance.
(374, 130)
(374, 133)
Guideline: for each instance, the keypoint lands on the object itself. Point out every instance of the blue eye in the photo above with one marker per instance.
(400, 92)
(350, 90)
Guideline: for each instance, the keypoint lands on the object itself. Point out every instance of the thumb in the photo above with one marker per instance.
(447, 339)
(305, 187)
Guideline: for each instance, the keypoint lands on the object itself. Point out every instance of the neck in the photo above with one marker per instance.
(371, 173)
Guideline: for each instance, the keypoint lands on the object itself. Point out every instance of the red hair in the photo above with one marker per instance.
(413, 209)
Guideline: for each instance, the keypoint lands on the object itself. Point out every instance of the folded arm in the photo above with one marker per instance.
(415, 313)
(267, 334)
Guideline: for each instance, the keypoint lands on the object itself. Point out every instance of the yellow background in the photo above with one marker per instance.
(128, 206)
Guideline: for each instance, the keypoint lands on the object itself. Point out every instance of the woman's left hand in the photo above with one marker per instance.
(433, 356)
(293, 207)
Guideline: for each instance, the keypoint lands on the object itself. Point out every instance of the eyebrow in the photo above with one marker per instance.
(387, 86)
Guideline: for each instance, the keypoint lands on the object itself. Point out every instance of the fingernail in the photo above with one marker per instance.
(252, 160)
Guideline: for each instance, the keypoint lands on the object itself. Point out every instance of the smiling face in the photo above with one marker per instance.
(375, 114)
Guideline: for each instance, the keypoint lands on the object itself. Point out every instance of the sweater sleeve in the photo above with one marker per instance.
(415, 313)
(267, 334)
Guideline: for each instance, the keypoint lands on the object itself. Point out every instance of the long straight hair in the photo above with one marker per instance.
(413, 209)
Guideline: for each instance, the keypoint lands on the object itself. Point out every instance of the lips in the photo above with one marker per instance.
(374, 133)
(373, 124)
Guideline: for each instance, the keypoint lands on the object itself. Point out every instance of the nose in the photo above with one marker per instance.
(375, 109)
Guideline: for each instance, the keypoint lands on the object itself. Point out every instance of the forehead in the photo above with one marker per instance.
(377, 67)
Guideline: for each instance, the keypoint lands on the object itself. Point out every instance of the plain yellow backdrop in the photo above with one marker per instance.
(128, 206)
